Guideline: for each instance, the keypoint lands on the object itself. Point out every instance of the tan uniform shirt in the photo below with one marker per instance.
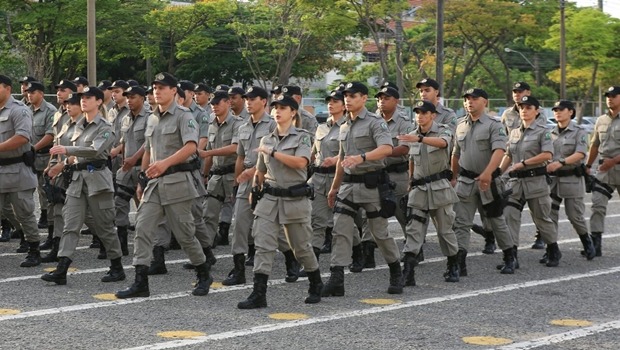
(16, 119)
(446, 116)
(288, 209)
(571, 140)
(132, 131)
(606, 136)
(326, 145)
(398, 125)
(42, 124)
(222, 135)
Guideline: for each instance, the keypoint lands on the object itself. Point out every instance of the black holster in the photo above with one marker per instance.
(257, 194)
(500, 200)
(388, 200)
(54, 194)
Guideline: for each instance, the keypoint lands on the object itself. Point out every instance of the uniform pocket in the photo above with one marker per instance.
(297, 209)
(175, 187)
(482, 141)
(464, 186)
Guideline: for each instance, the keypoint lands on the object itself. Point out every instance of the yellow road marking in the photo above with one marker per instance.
(486, 340)
(105, 296)
(380, 301)
(181, 334)
(571, 323)
(50, 269)
(288, 316)
(9, 312)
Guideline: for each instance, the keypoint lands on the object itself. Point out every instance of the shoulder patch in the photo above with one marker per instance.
(547, 136)
(502, 131)
(583, 139)
(106, 135)
(384, 126)
(191, 124)
(305, 140)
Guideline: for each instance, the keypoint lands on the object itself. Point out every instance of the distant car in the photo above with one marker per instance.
(588, 123)
(321, 117)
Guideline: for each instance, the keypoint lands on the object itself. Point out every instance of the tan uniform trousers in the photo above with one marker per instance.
(101, 208)
(179, 218)
(599, 209)
(22, 204)
(540, 209)
(417, 228)
(465, 211)
(163, 233)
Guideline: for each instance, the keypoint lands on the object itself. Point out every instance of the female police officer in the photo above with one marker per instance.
(281, 170)
(529, 148)
(91, 187)
(567, 170)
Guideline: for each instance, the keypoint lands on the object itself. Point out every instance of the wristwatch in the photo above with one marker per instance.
(420, 138)
(562, 161)
(523, 162)
(363, 155)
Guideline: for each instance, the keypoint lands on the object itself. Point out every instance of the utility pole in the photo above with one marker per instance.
(439, 46)
(562, 51)
(91, 42)
(600, 5)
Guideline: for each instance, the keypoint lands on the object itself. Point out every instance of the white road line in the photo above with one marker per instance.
(182, 261)
(562, 337)
(374, 310)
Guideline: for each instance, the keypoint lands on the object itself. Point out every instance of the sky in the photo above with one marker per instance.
(611, 7)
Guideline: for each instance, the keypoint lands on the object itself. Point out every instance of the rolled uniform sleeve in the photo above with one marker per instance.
(304, 149)
(49, 121)
(189, 128)
(499, 138)
(381, 133)
(445, 133)
(546, 143)
(260, 162)
(22, 121)
(101, 145)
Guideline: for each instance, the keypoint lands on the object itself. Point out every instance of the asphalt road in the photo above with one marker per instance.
(573, 306)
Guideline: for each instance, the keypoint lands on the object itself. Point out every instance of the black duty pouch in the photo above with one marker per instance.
(388, 200)
(500, 200)
(372, 180)
(143, 180)
(28, 158)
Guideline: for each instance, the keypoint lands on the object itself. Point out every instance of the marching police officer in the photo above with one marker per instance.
(237, 103)
(202, 95)
(281, 171)
(480, 144)
(91, 188)
(308, 121)
(529, 149)
(567, 172)
(605, 144)
(429, 91)
(365, 141)
(24, 88)
(18, 180)
(170, 191)
(431, 195)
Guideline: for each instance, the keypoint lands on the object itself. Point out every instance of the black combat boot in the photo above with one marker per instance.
(42, 219)
(251, 251)
(292, 267)
(237, 274)
(23, 245)
(538, 243)
(103, 255)
(52, 256)
(327, 244)
(34, 255)
(95, 242)
(158, 265)
(420, 255)
(211, 259)
(258, 297)
(335, 285)
(409, 263)
(203, 279)
(509, 262)
(139, 288)
(357, 265)
(59, 275)
(223, 231)
(462, 254)
(174, 244)
(48, 243)
(122, 233)
(545, 258)
(7, 229)
(597, 240)
(516, 260)
(317, 253)
(315, 288)
(588, 246)
(116, 272)
(452, 272)
(554, 255)
(396, 278)
(368, 249)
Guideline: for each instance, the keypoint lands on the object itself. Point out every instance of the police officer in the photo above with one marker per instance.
(308, 121)
(237, 103)
(281, 170)
(63, 134)
(201, 116)
(276, 92)
(91, 188)
(108, 102)
(429, 91)
(132, 140)
(364, 143)
(149, 96)
(18, 180)
(220, 157)
(605, 144)
(396, 163)
(115, 116)
(168, 161)
(511, 120)
(202, 95)
(478, 150)
(80, 83)
(431, 194)
(567, 172)
(42, 138)
(24, 88)
(530, 147)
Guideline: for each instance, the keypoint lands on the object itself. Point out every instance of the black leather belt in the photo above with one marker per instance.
(446, 174)
(362, 178)
(194, 164)
(11, 161)
(324, 170)
(397, 168)
(44, 150)
(540, 171)
(472, 175)
(94, 165)
(301, 190)
(229, 169)
(578, 171)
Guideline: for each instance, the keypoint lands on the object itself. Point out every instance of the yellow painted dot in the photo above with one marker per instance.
(486, 340)
(216, 285)
(50, 269)
(380, 301)
(181, 334)
(571, 323)
(9, 312)
(105, 296)
(288, 316)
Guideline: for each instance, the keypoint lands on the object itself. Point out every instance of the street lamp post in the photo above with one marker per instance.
(535, 66)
